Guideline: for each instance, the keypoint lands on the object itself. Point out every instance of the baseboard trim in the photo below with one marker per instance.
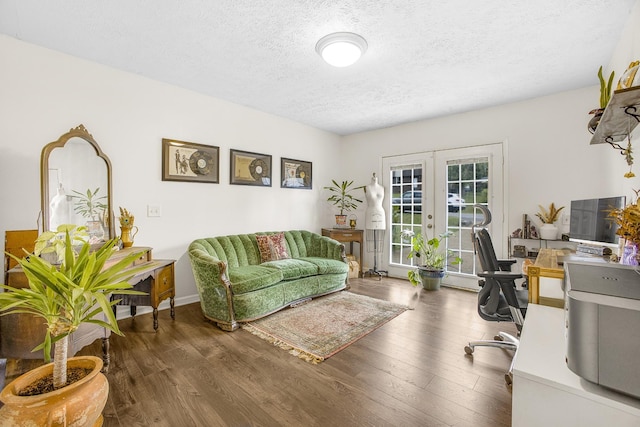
(124, 313)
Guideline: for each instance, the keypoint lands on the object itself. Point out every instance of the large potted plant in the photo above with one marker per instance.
(432, 258)
(342, 198)
(65, 296)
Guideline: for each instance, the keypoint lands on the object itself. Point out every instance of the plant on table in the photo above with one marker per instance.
(342, 198)
(65, 296)
(549, 216)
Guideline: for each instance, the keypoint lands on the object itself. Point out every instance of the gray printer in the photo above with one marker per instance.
(602, 303)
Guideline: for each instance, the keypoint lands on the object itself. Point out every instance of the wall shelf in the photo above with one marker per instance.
(619, 119)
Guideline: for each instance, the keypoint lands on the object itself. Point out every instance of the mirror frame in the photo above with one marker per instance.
(78, 132)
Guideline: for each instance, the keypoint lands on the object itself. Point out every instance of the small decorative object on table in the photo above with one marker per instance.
(549, 231)
(129, 230)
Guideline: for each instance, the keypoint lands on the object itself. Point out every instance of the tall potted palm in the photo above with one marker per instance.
(65, 296)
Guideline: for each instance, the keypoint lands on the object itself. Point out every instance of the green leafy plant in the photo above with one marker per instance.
(70, 294)
(430, 256)
(89, 205)
(605, 88)
(341, 196)
(550, 216)
(55, 241)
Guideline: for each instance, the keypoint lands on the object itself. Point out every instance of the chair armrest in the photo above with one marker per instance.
(505, 264)
(500, 275)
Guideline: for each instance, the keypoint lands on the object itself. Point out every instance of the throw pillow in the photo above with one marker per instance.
(272, 247)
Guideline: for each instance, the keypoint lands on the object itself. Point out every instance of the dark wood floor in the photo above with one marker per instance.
(412, 371)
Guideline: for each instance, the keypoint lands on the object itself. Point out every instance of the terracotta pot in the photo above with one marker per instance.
(77, 405)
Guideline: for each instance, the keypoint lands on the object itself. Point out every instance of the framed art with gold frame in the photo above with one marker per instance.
(295, 174)
(188, 161)
(250, 168)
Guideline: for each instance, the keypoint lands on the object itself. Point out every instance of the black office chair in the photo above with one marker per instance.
(498, 300)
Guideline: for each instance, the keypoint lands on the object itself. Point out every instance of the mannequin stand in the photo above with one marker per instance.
(374, 271)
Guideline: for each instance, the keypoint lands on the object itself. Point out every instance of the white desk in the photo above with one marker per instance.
(547, 393)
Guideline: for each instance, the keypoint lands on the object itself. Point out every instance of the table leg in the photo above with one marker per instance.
(133, 310)
(155, 318)
(173, 309)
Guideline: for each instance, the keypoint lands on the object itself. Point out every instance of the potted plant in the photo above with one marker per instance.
(92, 207)
(433, 260)
(605, 96)
(549, 231)
(65, 296)
(342, 198)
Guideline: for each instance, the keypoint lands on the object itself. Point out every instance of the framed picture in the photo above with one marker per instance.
(188, 161)
(250, 168)
(295, 174)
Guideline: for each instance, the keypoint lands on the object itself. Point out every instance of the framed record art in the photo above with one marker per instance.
(250, 168)
(295, 174)
(188, 161)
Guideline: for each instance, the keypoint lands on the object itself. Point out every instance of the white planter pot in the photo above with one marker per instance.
(548, 232)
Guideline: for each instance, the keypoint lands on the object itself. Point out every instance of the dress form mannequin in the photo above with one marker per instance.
(59, 209)
(374, 216)
(375, 221)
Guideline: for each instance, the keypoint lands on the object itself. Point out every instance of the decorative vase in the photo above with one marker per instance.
(595, 120)
(431, 278)
(629, 254)
(78, 404)
(548, 232)
(128, 233)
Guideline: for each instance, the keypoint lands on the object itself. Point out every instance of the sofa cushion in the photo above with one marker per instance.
(328, 266)
(272, 247)
(293, 268)
(253, 277)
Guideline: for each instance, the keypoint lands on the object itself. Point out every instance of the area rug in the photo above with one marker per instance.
(317, 330)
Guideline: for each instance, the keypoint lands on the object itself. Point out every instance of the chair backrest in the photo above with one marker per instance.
(14, 243)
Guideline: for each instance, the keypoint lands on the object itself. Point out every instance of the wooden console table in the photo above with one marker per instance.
(347, 235)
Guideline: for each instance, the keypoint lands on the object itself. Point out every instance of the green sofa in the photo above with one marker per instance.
(236, 286)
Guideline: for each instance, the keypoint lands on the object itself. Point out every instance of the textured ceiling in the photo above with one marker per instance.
(425, 58)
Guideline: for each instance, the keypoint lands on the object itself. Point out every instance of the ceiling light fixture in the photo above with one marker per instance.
(341, 49)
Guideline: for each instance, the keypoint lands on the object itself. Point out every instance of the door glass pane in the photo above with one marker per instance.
(467, 184)
(406, 208)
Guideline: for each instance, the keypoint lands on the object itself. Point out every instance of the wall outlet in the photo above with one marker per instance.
(566, 219)
(154, 210)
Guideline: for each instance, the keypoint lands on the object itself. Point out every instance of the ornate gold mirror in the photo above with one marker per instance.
(75, 177)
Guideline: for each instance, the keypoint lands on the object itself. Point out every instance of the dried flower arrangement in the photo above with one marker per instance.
(126, 218)
(628, 220)
(551, 216)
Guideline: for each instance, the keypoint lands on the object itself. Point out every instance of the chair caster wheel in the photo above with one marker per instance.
(468, 350)
(508, 378)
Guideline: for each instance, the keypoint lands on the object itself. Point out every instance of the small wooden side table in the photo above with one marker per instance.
(158, 282)
(348, 235)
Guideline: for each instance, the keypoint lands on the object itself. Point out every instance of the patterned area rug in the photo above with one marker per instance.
(317, 330)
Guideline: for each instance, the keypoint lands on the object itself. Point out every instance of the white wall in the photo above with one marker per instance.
(44, 93)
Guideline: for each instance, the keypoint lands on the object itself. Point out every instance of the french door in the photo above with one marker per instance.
(434, 192)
